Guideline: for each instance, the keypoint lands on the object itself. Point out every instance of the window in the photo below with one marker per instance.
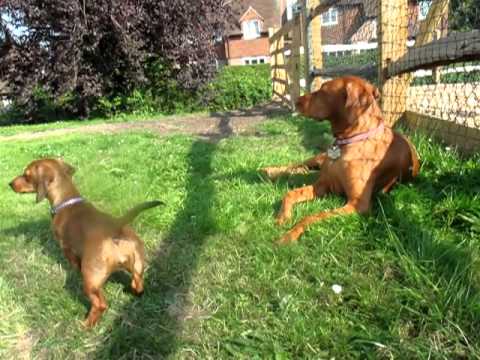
(423, 7)
(330, 17)
(254, 60)
(251, 29)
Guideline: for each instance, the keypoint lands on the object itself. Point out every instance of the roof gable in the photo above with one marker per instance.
(251, 14)
(267, 10)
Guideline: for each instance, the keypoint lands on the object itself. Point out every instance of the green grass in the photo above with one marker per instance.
(216, 286)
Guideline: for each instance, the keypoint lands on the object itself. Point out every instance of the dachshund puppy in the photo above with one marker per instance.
(95, 243)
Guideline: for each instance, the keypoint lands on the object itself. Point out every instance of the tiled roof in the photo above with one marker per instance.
(267, 9)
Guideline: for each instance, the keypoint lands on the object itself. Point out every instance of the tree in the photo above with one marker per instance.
(464, 15)
(90, 48)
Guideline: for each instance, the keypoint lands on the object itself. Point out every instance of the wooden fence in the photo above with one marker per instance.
(296, 53)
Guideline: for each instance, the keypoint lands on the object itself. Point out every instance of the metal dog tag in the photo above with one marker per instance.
(334, 152)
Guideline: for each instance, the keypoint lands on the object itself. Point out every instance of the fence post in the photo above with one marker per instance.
(436, 71)
(295, 61)
(313, 36)
(392, 39)
(432, 29)
(277, 63)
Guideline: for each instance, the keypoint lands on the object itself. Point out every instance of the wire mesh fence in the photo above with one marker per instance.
(423, 54)
(444, 99)
(349, 39)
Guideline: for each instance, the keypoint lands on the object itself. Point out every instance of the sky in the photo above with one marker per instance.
(16, 31)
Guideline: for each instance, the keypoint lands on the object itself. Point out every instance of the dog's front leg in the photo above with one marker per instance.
(299, 229)
(315, 163)
(305, 193)
(72, 258)
(359, 202)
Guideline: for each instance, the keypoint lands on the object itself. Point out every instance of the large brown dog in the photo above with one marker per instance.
(93, 242)
(367, 156)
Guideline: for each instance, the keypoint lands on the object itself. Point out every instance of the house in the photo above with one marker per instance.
(355, 21)
(351, 21)
(246, 39)
(348, 22)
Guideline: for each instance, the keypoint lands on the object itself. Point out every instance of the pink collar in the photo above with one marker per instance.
(360, 137)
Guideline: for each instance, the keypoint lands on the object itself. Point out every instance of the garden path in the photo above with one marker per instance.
(213, 126)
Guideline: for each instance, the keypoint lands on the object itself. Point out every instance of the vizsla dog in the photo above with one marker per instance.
(367, 156)
(93, 242)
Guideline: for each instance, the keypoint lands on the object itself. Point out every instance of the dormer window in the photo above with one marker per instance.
(251, 29)
(424, 7)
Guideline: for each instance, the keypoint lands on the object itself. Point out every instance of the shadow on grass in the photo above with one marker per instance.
(443, 272)
(150, 326)
(438, 275)
(316, 135)
(40, 231)
(438, 287)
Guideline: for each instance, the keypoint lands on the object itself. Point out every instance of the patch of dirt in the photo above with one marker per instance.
(213, 127)
(24, 346)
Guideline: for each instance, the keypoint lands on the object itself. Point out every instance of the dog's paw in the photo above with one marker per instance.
(271, 173)
(282, 219)
(88, 324)
(287, 239)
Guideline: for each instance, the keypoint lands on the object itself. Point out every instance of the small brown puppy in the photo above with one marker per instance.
(93, 242)
(367, 156)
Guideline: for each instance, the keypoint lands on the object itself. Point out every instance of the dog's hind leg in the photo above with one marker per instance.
(93, 280)
(137, 274)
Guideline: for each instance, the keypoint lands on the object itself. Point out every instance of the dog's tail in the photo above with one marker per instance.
(135, 211)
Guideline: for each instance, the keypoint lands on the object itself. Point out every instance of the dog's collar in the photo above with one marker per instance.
(360, 137)
(55, 209)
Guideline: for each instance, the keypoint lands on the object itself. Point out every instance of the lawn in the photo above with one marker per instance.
(216, 286)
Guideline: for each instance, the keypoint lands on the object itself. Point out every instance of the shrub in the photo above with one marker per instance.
(239, 87)
(234, 87)
(42, 107)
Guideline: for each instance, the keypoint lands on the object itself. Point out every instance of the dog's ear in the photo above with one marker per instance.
(44, 177)
(42, 188)
(357, 97)
(69, 169)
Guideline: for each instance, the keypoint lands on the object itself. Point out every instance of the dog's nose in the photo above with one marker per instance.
(11, 184)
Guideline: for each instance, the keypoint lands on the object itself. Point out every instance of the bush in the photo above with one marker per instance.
(238, 87)
(351, 59)
(42, 107)
(234, 87)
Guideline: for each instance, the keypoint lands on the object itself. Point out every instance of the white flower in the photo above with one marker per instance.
(337, 289)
